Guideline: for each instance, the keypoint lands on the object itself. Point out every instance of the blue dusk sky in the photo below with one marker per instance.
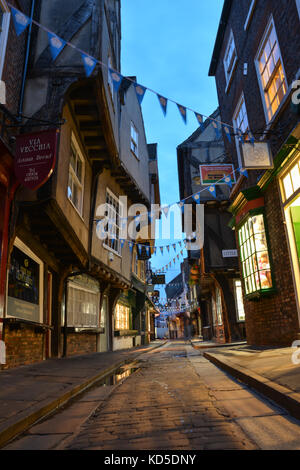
(167, 45)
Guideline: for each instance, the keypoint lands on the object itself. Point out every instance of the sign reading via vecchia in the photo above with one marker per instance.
(35, 158)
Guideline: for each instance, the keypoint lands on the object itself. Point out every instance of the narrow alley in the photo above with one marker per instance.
(170, 398)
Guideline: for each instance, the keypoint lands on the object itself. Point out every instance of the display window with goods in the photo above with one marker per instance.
(255, 255)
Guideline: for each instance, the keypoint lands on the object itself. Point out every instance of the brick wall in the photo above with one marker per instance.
(81, 343)
(23, 346)
(273, 320)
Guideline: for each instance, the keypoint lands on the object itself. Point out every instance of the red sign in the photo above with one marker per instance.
(35, 158)
(214, 174)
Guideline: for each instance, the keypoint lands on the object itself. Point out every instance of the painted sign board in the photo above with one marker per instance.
(159, 279)
(257, 156)
(214, 174)
(35, 158)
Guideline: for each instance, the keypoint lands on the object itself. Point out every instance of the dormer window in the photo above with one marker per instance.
(230, 60)
(134, 142)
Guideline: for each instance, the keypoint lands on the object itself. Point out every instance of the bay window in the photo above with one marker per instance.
(255, 256)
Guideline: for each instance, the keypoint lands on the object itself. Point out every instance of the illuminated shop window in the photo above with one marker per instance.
(255, 258)
(291, 181)
(122, 317)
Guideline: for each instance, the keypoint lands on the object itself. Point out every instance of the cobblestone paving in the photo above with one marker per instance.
(166, 405)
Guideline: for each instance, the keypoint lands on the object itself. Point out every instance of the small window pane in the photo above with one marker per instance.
(288, 188)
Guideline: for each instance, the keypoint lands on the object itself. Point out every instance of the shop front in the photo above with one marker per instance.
(290, 195)
(125, 337)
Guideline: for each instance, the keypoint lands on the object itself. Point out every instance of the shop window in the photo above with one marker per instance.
(122, 314)
(114, 213)
(25, 285)
(76, 176)
(83, 303)
(240, 311)
(291, 182)
(255, 256)
(134, 141)
(271, 73)
(4, 29)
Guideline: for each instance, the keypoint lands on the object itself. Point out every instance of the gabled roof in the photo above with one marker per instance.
(220, 37)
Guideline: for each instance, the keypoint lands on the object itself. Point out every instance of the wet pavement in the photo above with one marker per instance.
(172, 399)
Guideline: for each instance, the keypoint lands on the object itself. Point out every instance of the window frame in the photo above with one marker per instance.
(229, 75)
(74, 176)
(235, 125)
(4, 34)
(238, 317)
(110, 194)
(75, 286)
(264, 90)
(298, 7)
(117, 322)
(258, 292)
(134, 140)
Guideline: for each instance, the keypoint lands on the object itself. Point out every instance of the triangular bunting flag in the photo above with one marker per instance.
(196, 198)
(174, 260)
(217, 131)
(122, 242)
(168, 248)
(241, 137)
(182, 110)
(140, 92)
(162, 249)
(89, 64)
(199, 118)
(251, 137)
(177, 256)
(140, 248)
(166, 210)
(181, 252)
(56, 45)
(227, 132)
(147, 250)
(116, 78)
(130, 244)
(20, 20)
(174, 246)
(227, 180)
(154, 250)
(164, 103)
(243, 172)
(181, 205)
(212, 190)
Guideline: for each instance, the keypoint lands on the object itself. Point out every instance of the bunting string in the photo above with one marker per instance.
(57, 44)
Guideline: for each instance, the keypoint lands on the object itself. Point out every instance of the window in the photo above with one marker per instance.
(4, 28)
(114, 211)
(76, 176)
(255, 256)
(240, 311)
(240, 118)
(83, 303)
(250, 14)
(134, 143)
(25, 284)
(271, 73)
(122, 317)
(109, 79)
(291, 182)
(230, 59)
(219, 306)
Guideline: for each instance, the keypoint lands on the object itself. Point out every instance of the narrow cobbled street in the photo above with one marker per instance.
(175, 400)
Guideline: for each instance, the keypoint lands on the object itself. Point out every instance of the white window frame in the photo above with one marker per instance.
(235, 124)
(115, 227)
(4, 34)
(241, 318)
(270, 26)
(24, 248)
(250, 15)
(74, 285)
(134, 140)
(75, 178)
(229, 75)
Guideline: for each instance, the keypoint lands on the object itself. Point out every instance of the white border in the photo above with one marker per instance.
(256, 62)
(24, 248)
(77, 147)
(229, 77)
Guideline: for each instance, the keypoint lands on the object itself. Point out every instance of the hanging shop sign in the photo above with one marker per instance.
(215, 174)
(257, 156)
(159, 280)
(35, 158)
